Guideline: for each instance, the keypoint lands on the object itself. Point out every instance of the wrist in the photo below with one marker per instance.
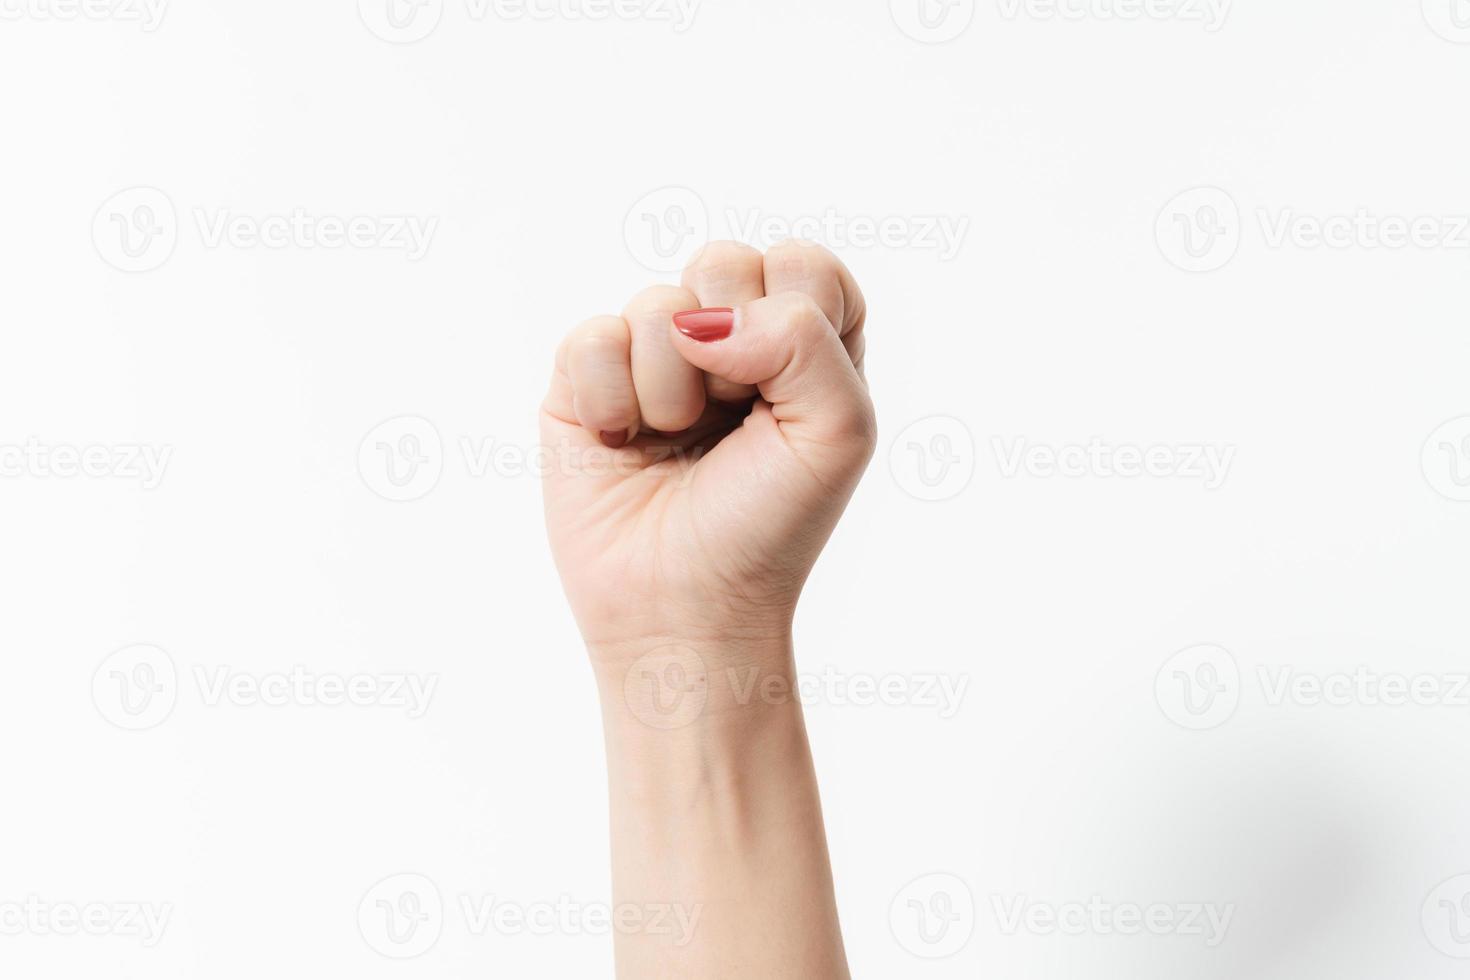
(668, 686)
(621, 628)
(705, 742)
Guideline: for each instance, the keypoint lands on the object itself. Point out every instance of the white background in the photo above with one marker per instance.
(1334, 833)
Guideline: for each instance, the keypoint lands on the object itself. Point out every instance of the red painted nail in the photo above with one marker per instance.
(706, 326)
(613, 440)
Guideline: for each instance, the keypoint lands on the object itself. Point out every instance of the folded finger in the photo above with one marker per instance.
(669, 390)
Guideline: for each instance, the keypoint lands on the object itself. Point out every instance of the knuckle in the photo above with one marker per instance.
(598, 347)
(600, 330)
(724, 262)
(801, 260)
(658, 301)
(803, 314)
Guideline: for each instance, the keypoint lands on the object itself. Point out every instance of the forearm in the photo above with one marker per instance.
(715, 815)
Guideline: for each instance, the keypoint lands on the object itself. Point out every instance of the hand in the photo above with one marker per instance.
(699, 466)
(700, 459)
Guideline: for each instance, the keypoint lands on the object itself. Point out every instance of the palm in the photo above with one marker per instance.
(720, 522)
(685, 519)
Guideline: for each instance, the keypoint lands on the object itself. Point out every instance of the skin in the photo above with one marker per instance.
(683, 553)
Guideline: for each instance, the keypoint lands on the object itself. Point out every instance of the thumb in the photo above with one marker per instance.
(788, 349)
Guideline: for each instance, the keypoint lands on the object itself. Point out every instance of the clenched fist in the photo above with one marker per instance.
(707, 442)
